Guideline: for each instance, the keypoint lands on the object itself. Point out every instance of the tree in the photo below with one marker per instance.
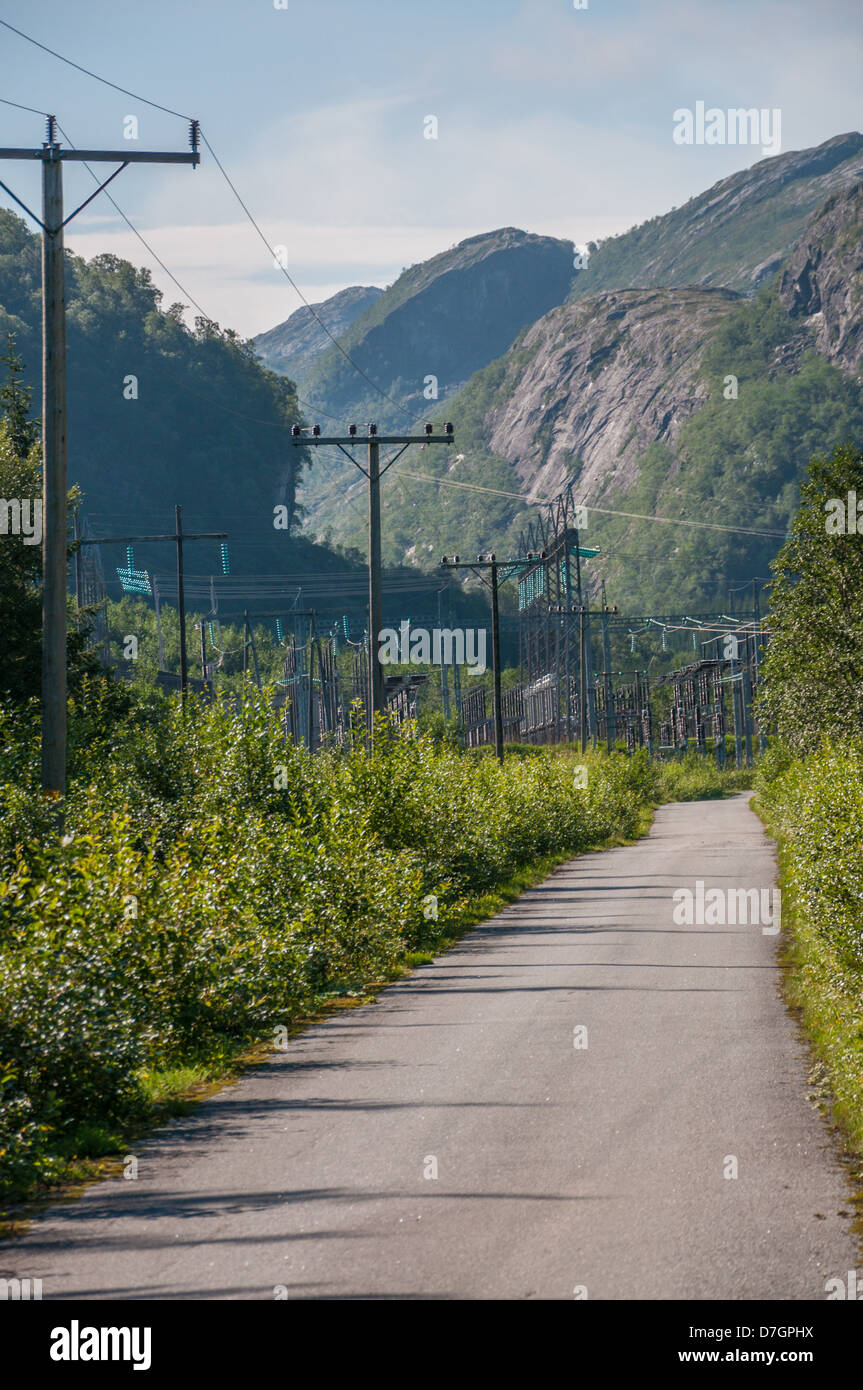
(15, 398)
(20, 572)
(20, 558)
(813, 673)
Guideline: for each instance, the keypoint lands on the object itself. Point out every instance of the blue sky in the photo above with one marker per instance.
(552, 119)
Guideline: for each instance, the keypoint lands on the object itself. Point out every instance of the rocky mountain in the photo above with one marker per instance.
(694, 403)
(613, 370)
(291, 347)
(581, 397)
(440, 322)
(594, 383)
(422, 339)
(822, 280)
(737, 233)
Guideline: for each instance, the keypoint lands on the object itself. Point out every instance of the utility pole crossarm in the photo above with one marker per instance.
(54, 153)
(379, 438)
(135, 540)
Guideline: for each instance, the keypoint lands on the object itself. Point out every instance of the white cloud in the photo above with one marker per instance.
(228, 271)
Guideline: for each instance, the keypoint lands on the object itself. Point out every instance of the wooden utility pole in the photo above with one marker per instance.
(378, 702)
(181, 602)
(498, 570)
(444, 679)
(55, 544)
(582, 699)
(374, 473)
(178, 536)
(249, 642)
(76, 525)
(606, 656)
(495, 657)
(311, 706)
(254, 654)
(493, 566)
(55, 522)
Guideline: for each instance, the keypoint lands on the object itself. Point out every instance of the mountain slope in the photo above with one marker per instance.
(440, 321)
(614, 371)
(444, 318)
(823, 278)
(159, 414)
(581, 395)
(292, 347)
(604, 378)
(736, 233)
(694, 404)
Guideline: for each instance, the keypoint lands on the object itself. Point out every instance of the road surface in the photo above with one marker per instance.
(450, 1140)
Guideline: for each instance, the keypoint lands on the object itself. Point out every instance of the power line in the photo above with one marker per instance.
(589, 506)
(447, 482)
(115, 205)
(34, 110)
(333, 339)
(157, 106)
(255, 419)
(95, 75)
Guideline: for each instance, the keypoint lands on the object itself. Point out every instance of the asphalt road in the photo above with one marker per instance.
(558, 1168)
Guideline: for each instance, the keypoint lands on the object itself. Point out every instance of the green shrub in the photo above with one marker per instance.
(814, 806)
(215, 882)
(695, 778)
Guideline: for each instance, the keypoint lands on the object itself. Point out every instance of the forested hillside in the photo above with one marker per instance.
(158, 413)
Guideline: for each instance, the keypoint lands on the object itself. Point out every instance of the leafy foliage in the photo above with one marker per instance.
(21, 562)
(20, 573)
(814, 805)
(814, 667)
(209, 427)
(216, 883)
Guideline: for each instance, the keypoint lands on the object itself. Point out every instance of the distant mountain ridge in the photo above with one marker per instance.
(444, 318)
(692, 400)
(423, 338)
(735, 234)
(291, 347)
